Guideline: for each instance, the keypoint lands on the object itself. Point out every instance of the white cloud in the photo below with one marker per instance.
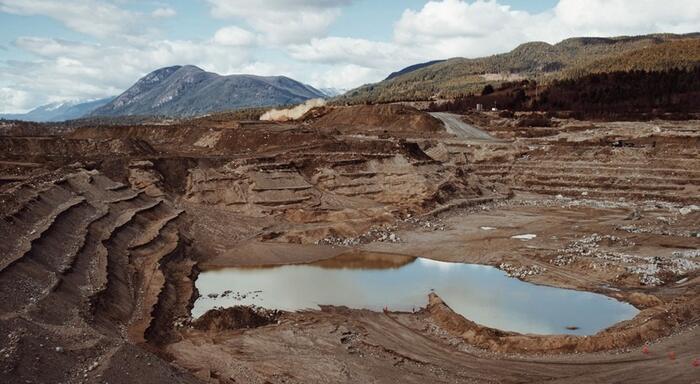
(92, 17)
(282, 21)
(234, 36)
(459, 28)
(15, 100)
(475, 28)
(163, 12)
(346, 50)
(453, 18)
(345, 76)
(54, 47)
(613, 17)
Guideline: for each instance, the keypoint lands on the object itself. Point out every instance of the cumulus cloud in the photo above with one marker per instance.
(475, 28)
(163, 12)
(234, 36)
(92, 17)
(347, 50)
(15, 100)
(349, 62)
(459, 28)
(282, 21)
(453, 18)
(606, 17)
(55, 47)
(345, 76)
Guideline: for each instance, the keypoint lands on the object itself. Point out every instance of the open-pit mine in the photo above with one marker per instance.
(357, 244)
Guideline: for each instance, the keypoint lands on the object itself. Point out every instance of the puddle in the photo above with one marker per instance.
(483, 294)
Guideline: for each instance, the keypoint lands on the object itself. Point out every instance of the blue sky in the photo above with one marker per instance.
(57, 50)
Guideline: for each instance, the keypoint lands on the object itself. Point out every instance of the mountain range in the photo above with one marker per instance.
(60, 111)
(182, 91)
(535, 60)
(190, 91)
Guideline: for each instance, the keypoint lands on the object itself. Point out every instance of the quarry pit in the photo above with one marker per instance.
(108, 229)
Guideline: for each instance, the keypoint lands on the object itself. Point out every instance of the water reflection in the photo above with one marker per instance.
(483, 294)
(365, 260)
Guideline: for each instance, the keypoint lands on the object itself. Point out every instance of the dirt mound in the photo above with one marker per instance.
(379, 119)
(238, 317)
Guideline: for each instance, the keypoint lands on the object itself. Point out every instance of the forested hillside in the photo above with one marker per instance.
(536, 61)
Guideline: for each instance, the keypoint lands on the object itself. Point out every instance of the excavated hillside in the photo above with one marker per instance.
(105, 229)
(90, 270)
(625, 160)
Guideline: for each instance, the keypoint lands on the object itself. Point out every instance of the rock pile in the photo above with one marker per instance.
(522, 271)
(431, 223)
(384, 233)
(650, 270)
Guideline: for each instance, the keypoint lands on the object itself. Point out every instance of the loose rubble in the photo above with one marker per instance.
(522, 271)
(649, 269)
(384, 233)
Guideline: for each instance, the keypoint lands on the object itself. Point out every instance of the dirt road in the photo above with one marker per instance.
(455, 125)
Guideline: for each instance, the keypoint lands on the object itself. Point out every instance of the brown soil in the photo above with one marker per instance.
(385, 119)
(105, 228)
(234, 318)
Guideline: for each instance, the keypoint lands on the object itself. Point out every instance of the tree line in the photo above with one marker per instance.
(595, 95)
